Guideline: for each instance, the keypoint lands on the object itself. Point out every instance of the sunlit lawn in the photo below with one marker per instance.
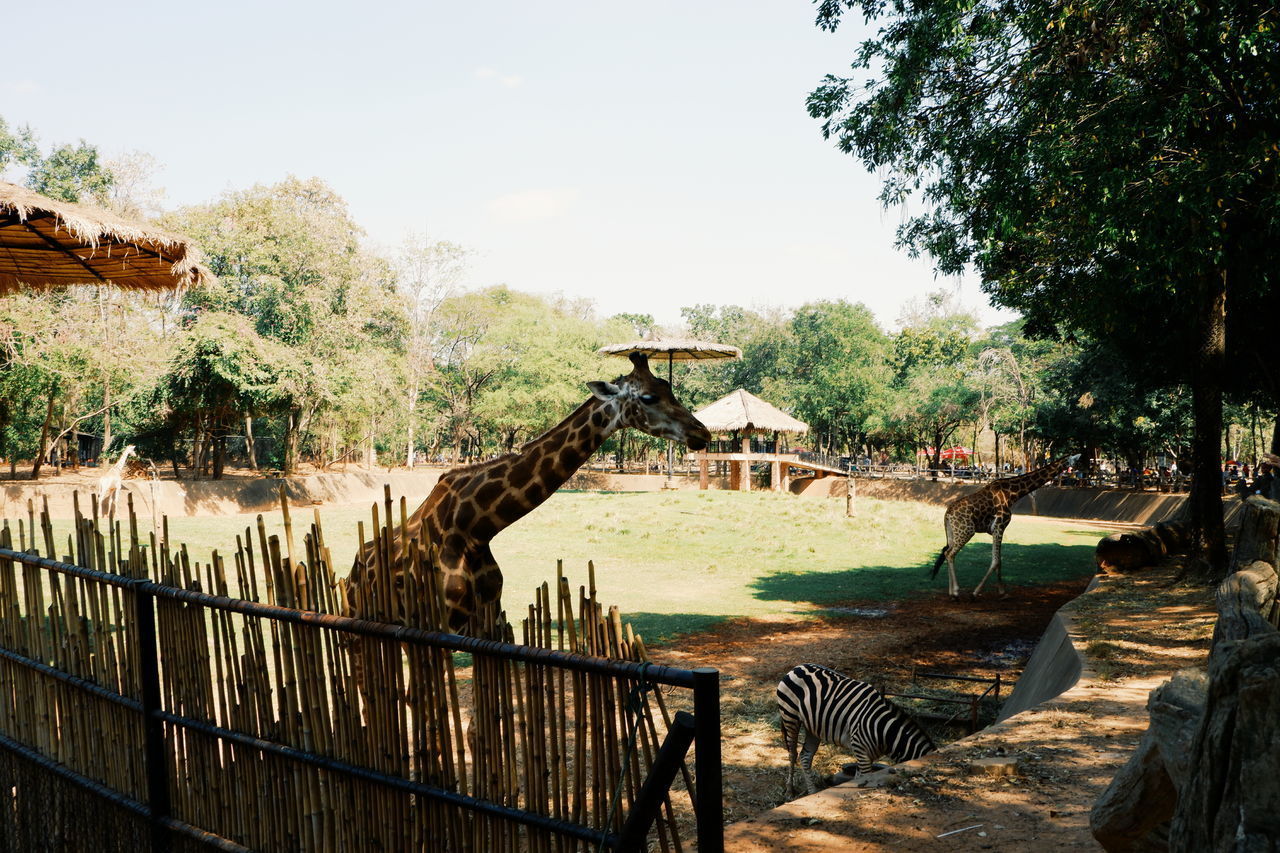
(679, 561)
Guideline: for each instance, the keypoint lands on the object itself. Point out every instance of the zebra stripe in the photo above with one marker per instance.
(833, 708)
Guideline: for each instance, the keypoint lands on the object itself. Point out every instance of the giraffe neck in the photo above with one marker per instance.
(1018, 487)
(546, 463)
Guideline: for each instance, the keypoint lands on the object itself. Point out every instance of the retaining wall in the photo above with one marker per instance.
(1118, 505)
(243, 494)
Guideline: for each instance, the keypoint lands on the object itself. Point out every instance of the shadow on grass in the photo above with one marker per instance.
(663, 627)
(1023, 565)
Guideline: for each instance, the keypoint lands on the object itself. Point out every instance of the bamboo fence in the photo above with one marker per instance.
(282, 724)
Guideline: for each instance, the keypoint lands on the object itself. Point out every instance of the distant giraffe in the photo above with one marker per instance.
(109, 484)
(988, 510)
(472, 504)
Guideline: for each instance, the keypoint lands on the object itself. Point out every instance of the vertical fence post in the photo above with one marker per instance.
(709, 806)
(152, 727)
(654, 790)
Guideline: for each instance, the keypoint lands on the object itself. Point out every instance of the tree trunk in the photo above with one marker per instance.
(44, 438)
(248, 442)
(219, 454)
(104, 315)
(1205, 501)
(1275, 436)
(290, 443)
(413, 407)
(106, 420)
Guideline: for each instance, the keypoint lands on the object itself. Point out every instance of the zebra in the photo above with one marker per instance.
(838, 709)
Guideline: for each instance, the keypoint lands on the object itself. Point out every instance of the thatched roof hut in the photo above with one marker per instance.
(46, 243)
(744, 412)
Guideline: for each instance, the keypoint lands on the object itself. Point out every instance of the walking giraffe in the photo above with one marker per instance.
(472, 504)
(110, 483)
(989, 510)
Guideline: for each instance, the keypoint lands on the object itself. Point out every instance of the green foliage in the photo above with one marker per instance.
(1098, 163)
(222, 370)
(72, 173)
(763, 339)
(511, 365)
(66, 172)
(288, 258)
(17, 147)
(834, 370)
(932, 391)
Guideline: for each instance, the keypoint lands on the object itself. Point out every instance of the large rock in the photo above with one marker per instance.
(1133, 814)
(1205, 776)
(1127, 552)
(1230, 800)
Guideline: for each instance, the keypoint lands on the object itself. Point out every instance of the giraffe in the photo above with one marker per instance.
(109, 483)
(988, 510)
(473, 503)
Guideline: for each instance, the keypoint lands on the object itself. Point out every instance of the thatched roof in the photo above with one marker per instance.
(744, 411)
(675, 349)
(48, 243)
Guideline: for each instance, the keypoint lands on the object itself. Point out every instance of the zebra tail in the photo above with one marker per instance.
(937, 564)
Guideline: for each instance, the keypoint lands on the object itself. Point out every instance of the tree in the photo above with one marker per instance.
(1097, 163)
(288, 256)
(932, 391)
(510, 365)
(763, 339)
(54, 372)
(1010, 376)
(643, 326)
(833, 370)
(17, 147)
(220, 371)
(428, 274)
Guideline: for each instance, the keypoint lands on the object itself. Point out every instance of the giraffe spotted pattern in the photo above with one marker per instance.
(989, 510)
(472, 504)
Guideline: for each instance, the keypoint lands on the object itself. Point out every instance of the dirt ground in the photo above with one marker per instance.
(981, 638)
(1136, 631)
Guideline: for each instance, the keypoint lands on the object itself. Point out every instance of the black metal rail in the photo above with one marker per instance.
(702, 729)
(972, 701)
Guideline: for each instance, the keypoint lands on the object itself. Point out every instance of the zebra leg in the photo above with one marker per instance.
(864, 759)
(997, 536)
(791, 738)
(811, 742)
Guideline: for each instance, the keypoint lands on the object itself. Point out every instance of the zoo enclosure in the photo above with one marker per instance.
(156, 715)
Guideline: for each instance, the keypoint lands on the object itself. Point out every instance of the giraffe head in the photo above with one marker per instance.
(645, 402)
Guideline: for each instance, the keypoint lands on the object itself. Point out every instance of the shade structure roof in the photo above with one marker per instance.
(743, 411)
(675, 349)
(47, 243)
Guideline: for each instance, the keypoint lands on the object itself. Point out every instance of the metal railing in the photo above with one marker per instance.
(972, 702)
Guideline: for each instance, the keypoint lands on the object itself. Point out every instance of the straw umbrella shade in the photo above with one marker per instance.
(673, 350)
(46, 243)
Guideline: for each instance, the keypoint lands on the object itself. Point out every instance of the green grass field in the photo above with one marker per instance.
(680, 561)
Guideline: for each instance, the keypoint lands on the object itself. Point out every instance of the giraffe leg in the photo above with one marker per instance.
(487, 580)
(997, 536)
(458, 590)
(956, 539)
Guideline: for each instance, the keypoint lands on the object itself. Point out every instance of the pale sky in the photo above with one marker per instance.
(646, 156)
